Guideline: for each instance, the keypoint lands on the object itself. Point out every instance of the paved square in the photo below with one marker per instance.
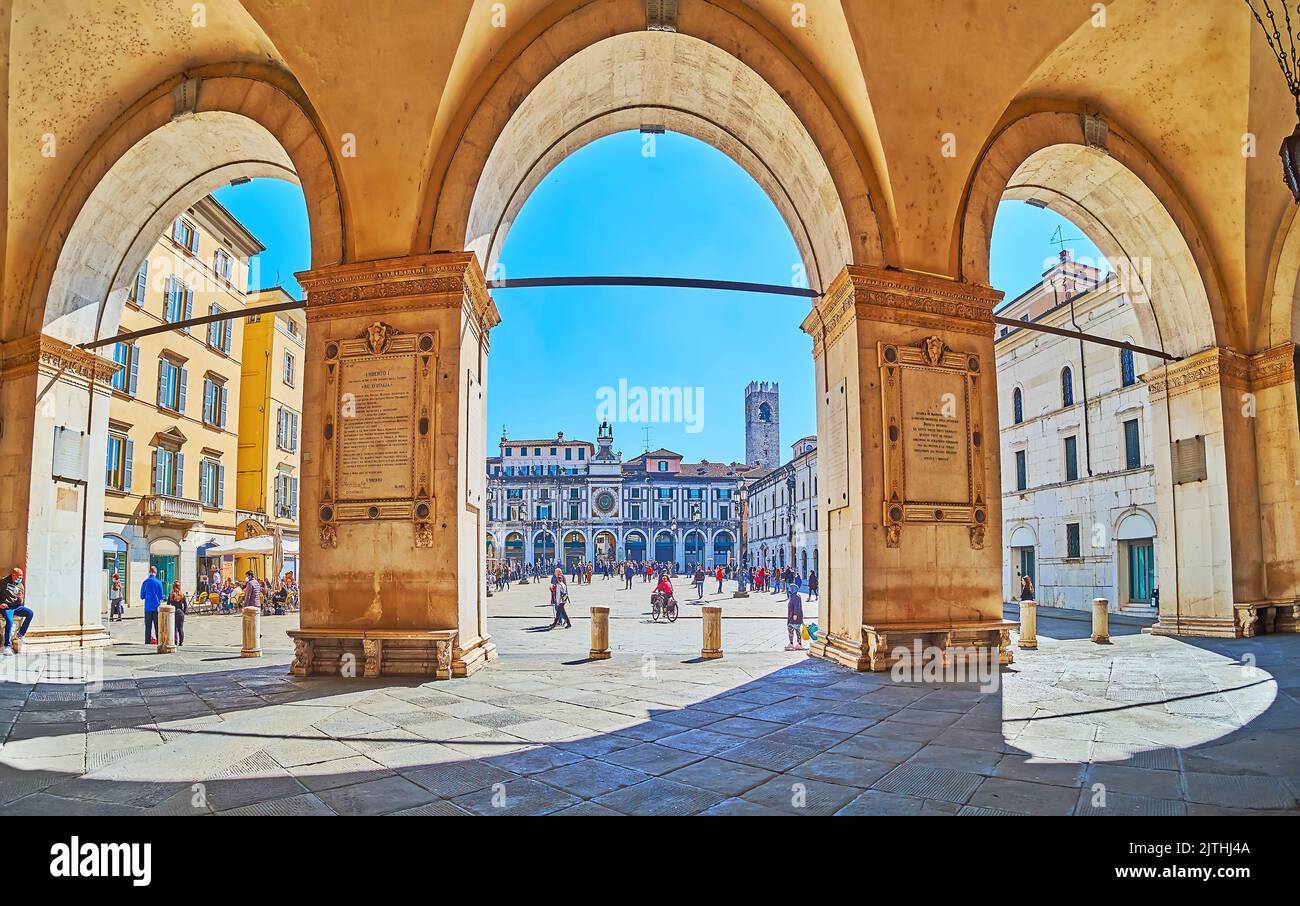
(1145, 726)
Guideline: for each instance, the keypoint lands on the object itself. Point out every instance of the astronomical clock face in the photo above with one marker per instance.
(605, 503)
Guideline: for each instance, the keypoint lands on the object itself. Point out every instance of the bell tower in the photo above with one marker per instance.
(763, 424)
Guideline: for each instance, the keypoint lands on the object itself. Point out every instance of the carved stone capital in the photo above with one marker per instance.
(899, 297)
(1206, 369)
(415, 282)
(1273, 367)
(54, 357)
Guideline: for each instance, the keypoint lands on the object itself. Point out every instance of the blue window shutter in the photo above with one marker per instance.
(293, 498)
(221, 484)
(133, 354)
(141, 282)
(213, 336)
(108, 463)
(221, 394)
(157, 470)
(227, 330)
(203, 480)
(178, 231)
(180, 474)
(163, 367)
(189, 305)
(194, 241)
(279, 494)
(128, 461)
(293, 432)
(184, 379)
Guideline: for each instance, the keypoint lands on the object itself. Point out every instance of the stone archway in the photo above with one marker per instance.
(184, 138)
(604, 73)
(1213, 567)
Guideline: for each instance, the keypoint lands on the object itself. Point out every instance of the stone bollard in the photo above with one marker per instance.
(599, 633)
(252, 632)
(166, 629)
(1100, 621)
(712, 620)
(1029, 624)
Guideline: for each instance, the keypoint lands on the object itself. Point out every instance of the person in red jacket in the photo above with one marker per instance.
(718, 574)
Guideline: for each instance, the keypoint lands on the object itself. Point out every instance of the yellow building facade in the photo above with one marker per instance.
(270, 413)
(173, 448)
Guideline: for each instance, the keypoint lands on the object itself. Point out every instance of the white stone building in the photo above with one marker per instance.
(557, 500)
(1079, 494)
(781, 513)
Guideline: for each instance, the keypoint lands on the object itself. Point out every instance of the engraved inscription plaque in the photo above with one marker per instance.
(936, 467)
(378, 454)
(376, 427)
(933, 438)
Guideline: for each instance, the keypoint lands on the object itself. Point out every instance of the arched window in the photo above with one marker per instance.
(1127, 375)
(1017, 406)
(1067, 386)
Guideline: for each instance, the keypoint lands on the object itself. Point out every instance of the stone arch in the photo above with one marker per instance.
(1123, 200)
(1280, 322)
(486, 174)
(158, 159)
(1141, 524)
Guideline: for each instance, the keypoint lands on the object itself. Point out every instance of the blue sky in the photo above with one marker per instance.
(685, 211)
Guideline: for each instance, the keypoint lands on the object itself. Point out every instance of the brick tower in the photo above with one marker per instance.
(763, 424)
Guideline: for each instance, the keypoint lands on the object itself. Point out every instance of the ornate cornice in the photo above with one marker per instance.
(1273, 366)
(1213, 367)
(899, 297)
(53, 356)
(415, 282)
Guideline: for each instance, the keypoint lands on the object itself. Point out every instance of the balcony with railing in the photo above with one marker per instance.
(161, 509)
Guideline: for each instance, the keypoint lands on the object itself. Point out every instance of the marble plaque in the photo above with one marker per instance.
(833, 466)
(936, 454)
(376, 427)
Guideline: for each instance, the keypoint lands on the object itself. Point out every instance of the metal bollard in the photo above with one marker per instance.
(166, 629)
(599, 633)
(252, 632)
(712, 620)
(1101, 621)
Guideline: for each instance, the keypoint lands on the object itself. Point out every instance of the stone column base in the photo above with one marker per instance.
(384, 652)
(66, 638)
(884, 645)
(468, 661)
(1248, 620)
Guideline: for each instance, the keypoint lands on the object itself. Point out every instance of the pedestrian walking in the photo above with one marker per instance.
(177, 600)
(116, 607)
(720, 572)
(560, 598)
(152, 593)
(794, 621)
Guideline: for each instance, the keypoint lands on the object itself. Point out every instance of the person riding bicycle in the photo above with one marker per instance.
(665, 587)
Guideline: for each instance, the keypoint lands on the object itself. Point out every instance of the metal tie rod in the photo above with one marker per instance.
(670, 282)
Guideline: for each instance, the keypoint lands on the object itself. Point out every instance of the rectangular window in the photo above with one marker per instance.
(172, 378)
(117, 471)
(127, 357)
(573, 511)
(582, 453)
(1072, 458)
(543, 512)
(168, 472)
(510, 451)
(724, 512)
(141, 284)
(286, 496)
(1132, 445)
(178, 302)
(223, 265)
(286, 430)
(694, 493)
(1072, 541)
(664, 493)
(1022, 476)
(288, 368)
(635, 493)
(568, 452)
(212, 483)
(665, 512)
(635, 509)
(186, 235)
(219, 331)
(214, 403)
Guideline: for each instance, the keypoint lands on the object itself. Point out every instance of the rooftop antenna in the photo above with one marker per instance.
(646, 431)
(1059, 239)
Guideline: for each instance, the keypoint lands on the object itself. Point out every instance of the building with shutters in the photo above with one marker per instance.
(1078, 475)
(270, 408)
(173, 446)
(781, 513)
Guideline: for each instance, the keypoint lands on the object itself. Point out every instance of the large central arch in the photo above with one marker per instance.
(595, 72)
